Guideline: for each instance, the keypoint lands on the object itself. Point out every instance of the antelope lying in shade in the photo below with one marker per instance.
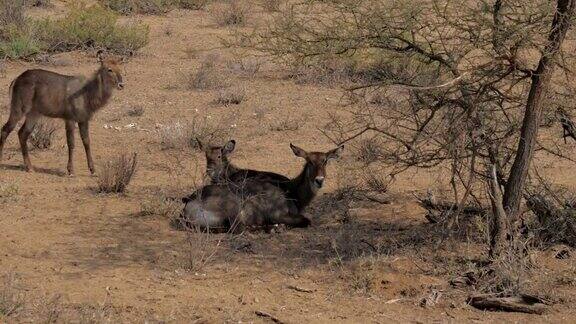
(258, 203)
(37, 93)
(221, 171)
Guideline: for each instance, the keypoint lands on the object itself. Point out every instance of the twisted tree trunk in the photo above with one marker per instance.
(532, 115)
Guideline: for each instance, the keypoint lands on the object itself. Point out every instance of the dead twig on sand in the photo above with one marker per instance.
(300, 289)
(269, 316)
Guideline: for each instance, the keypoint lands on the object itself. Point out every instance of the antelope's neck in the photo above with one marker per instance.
(300, 188)
(97, 91)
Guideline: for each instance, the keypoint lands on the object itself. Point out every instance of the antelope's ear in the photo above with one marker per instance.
(100, 56)
(298, 151)
(229, 147)
(335, 153)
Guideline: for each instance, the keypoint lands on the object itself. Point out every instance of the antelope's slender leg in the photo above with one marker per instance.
(70, 141)
(7, 129)
(84, 133)
(23, 135)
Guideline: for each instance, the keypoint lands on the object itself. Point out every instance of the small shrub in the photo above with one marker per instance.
(11, 298)
(247, 67)
(19, 44)
(192, 4)
(8, 192)
(91, 27)
(231, 96)
(117, 174)
(207, 77)
(271, 5)
(160, 205)
(376, 182)
(183, 135)
(43, 134)
(286, 124)
(127, 7)
(136, 111)
(203, 247)
(12, 13)
(369, 151)
(232, 13)
(41, 3)
(328, 72)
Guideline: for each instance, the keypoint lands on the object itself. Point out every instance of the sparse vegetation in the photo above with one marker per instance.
(136, 111)
(287, 123)
(207, 76)
(161, 205)
(91, 27)
(230, 13)
(231, 96)
(192, 4)
(117, 173)
(42, 136)
(127, 7)
(271, 5)
(41, 3)
(369, 151)
(246, 67)
(152, 7)
(11, 298)
(8, 192)
(184, 135)
(83, 27)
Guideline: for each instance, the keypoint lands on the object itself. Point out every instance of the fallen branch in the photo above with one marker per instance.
(300, 289)
(269, 316)
(522, 304)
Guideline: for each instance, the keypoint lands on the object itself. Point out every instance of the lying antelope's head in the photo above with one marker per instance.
(111, 67)
(316, 164)
(217, 158)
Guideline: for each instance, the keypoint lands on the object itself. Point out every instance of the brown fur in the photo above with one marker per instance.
(254, 202)
(37, 93)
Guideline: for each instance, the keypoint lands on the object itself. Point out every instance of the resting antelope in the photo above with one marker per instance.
(258, 203)
(221, 171)
(37, 93)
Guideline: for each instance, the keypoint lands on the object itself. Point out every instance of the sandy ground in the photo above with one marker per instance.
(60, 238)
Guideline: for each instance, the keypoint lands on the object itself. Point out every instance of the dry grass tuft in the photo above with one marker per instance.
(207, 77)
(204, 248)
(8, 192)
(369, 151)
(230, 13)
(41, 3)
(161, 205)
(246, 67)
(11, 298)
(287, 123)
(271, 5)
(136, 111)
(42, 136)
(183, 135)
(192, 4)
(12, 14)
(117, 173)
(231, 96)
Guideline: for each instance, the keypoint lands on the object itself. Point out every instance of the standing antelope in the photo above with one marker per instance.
(260, 202)
(37, 93)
